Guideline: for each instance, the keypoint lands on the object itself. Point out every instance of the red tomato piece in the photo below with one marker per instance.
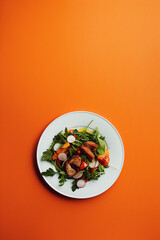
(104, 161)
(83, 165)
(86, 180)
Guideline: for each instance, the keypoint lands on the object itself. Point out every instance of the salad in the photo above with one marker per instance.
(78, 154)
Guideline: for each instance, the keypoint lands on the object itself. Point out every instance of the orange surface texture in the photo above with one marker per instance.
(64, 55)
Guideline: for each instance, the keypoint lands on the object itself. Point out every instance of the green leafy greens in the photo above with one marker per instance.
(49, 172)
(81, 138)
(74, 185)
(47, 155)
(63, 178)
(101, 147)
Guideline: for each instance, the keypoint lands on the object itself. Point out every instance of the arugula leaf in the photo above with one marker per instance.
(56, 139)
(71, 152)
(74, 185)
(62, 172)
(63, 179)
(80, 142)
(49, 172)
(57, 167)
(101, 168)
(95, 175)
(106, 166)
(47, 155)
(64, 163)
(66, 132)
(101, 147)
(88, 126)
(85, 139)
(77, 144)
(75, 131)
(82, 137)
(87, 175)
(62, 137)
(75, 148)
(95, 135)
(103, 138)
(100, 141)
(52, 145)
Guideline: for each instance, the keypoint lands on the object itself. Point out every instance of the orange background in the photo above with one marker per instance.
(59, 56)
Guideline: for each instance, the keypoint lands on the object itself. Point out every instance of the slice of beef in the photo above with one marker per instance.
(76, 160)
(91, 145)
(70, 171)
(87, 152)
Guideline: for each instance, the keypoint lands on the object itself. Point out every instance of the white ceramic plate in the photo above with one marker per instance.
(80, 119)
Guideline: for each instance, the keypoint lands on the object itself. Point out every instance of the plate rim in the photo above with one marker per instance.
(122, 145)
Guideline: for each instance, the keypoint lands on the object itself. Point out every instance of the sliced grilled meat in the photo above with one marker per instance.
(70, 171)
(87, 152)
(76, 160)
(91, 145)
